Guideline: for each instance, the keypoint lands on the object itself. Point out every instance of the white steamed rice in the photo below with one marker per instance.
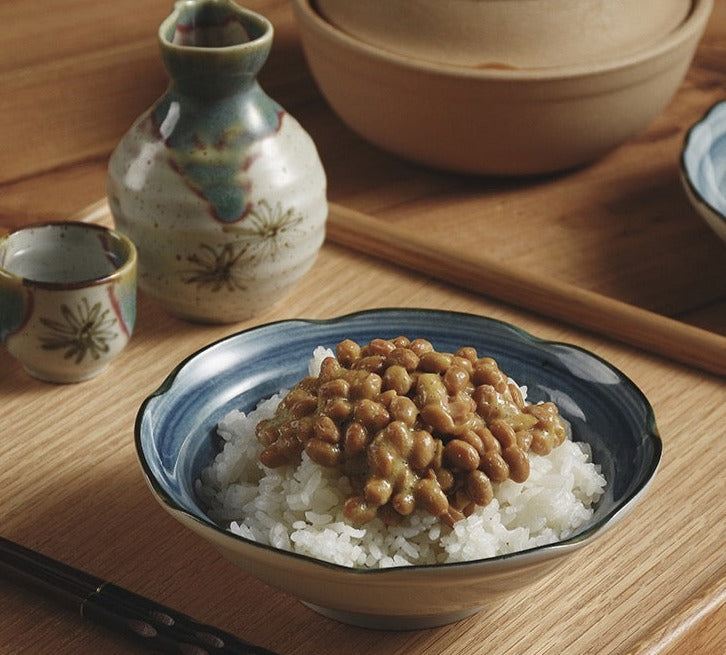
(299, 507)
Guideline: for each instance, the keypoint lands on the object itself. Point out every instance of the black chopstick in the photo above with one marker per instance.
(155, 626)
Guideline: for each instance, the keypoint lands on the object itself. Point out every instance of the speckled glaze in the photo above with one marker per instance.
(67, 298)
(175, 440)
(222, 190)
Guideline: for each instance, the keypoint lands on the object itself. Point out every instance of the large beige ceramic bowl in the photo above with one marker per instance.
(514, 33)
(494, 121)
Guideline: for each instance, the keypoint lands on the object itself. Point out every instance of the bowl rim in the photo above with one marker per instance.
(693, 23)
(686, 171)
(164, 32)
(580, 538)
(107, 234)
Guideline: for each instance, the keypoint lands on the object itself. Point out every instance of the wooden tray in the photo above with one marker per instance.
(620, 228)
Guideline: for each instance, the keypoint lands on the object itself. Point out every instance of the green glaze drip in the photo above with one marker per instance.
(209, 145)
(215, 110)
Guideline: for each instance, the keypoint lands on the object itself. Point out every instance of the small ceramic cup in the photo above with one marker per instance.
(67, 298)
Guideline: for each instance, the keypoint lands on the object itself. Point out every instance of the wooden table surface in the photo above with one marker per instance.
(71, 487)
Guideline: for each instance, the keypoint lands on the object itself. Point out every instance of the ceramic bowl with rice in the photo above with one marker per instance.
(198, 444)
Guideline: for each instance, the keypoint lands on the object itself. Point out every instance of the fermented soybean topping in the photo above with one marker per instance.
(411, 427)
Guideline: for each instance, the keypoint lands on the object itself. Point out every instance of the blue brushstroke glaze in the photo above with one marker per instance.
(209, 142)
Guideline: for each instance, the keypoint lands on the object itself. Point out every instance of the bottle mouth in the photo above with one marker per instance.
(212, 25)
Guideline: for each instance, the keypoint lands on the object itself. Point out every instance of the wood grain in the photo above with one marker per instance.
(471, 270)
(621, 228)
(73, 489)
(474, 272)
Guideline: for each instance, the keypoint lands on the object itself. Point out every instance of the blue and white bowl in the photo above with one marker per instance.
(175, 440)
(703, 167)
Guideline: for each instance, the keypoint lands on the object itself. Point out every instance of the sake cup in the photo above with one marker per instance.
(67, 298)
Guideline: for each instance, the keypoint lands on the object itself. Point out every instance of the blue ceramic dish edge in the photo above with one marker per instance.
(688, 176)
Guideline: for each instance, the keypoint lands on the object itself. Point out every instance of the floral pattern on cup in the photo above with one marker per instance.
(67, 298)
(85, 330)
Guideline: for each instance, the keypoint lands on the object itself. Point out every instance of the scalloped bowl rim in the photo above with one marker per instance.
(683, 33)
(523, 556)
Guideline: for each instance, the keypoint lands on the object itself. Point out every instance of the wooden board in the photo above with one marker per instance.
(656, 585)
